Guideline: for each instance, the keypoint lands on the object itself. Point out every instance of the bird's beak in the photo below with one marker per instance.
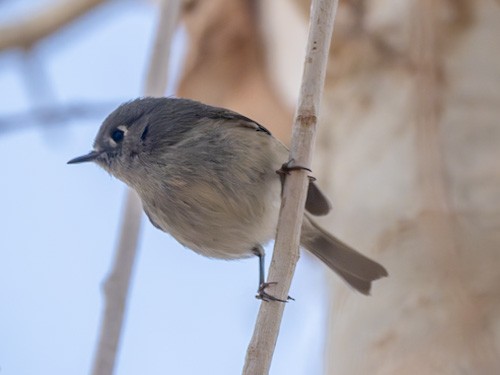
(91, 156)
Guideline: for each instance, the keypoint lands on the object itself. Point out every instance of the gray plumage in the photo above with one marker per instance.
(207, 176)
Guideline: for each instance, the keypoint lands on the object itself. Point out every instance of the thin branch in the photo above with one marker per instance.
(116, 288)
(53, 115)
(117, 284)
(27, 31)
(156, 80)
(286, 249)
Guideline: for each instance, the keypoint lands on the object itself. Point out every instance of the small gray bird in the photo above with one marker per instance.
(208, 176)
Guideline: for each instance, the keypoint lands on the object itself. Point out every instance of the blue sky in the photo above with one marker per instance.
(186, 314)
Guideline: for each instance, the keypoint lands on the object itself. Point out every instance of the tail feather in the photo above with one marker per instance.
(362, 286)
(355, 268)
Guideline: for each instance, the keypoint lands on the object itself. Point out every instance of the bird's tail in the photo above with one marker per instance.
(355, 268)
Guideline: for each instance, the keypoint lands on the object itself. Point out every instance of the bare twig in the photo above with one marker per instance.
(261, 348)
(117, 284)
(25, 32)
(53, 115)
(156, 80)
(116, 288)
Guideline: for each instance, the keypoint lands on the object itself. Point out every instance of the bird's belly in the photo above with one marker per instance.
(227, 229)
(227, 241)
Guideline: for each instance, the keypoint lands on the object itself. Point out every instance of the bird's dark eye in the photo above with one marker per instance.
(117, 135)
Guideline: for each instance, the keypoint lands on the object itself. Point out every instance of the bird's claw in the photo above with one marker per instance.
(264, 296)
(289, 166)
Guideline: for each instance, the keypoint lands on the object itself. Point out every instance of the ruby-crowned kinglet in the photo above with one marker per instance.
(207, 176)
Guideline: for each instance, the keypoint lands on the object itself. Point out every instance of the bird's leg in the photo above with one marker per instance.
(259, 251)
(261, 292)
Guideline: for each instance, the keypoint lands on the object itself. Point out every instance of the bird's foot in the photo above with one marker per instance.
(264, 296)
(289, 166)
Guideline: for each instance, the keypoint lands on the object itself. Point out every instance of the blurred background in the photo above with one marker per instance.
(408, 150)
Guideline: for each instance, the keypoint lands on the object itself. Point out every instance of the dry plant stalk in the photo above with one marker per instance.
(116, 288)
(286, 249)
(117, 284)
(27, 31)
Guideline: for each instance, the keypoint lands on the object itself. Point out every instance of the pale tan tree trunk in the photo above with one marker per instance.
(226, 65)
(414, 136)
